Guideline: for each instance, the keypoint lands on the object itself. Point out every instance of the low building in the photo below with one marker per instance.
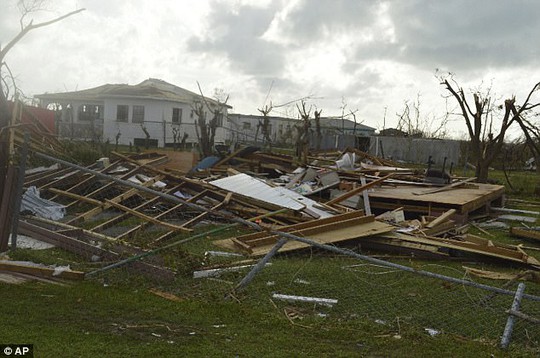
(283, 131)
(125, 113)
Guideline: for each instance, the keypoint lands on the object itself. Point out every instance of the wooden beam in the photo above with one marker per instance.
(358, 190)
(146, 217)
(88, 251)
(75, 196)
(107, 204)
(206, 213)
(444, 188)
(526, 233)
(440, 219)
(40, 271)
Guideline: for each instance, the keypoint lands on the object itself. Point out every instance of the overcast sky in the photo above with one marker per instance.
(371, 55)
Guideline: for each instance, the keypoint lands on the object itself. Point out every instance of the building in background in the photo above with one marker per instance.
(126, 113)
(336, 133)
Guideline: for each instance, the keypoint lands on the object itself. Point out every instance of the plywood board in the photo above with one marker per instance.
(464, 200)
(330, 230)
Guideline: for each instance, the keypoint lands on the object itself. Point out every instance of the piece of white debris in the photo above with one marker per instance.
(432, 332)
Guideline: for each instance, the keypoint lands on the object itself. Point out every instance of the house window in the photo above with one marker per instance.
(138, 114)
(246, 126)
(122, 113)
(90, 112)
(177, 115)
(85, 112)
(219, 119)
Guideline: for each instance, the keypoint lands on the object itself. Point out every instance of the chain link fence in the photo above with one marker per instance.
(131, 235)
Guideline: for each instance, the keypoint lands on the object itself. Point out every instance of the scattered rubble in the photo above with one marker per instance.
(130, 204)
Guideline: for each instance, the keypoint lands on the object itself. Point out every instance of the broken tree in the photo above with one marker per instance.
(486, 144)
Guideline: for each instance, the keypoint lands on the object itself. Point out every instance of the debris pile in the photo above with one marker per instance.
(127, 205)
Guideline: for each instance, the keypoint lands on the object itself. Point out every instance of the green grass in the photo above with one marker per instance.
(89, 320)
(523, 184)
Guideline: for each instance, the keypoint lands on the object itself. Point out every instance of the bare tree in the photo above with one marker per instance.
(206, 130)
(265, 126)
(146, 136)
(27, 7)
(318, 131)
(302, 130)
(116, 140)
(414, 124)
(531, 132)
(486, 139)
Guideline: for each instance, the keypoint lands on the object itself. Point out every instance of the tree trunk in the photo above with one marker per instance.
(482, 171)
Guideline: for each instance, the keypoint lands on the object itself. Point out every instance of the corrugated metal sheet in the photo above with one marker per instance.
(248, 186)
(32, 201)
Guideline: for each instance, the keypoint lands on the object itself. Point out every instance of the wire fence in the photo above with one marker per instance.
(128, 233)
(320, 285)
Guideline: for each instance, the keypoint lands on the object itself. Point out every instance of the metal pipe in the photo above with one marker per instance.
(260, 265)
(505, 340)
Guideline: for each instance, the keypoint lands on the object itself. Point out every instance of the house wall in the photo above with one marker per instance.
(243, 128)
(157, 121)
(417, 150)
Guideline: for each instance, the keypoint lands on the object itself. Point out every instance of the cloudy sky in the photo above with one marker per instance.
(369, 56)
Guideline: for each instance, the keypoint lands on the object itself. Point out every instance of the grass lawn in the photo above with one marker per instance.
(88, 319)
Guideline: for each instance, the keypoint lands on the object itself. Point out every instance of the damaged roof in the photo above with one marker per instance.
(151, 88)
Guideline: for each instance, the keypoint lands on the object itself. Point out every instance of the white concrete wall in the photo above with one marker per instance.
(157, 120)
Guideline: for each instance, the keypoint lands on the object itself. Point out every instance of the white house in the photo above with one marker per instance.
(123, 112)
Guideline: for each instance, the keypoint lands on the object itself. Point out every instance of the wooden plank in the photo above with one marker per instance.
(328, 230)
(76, 196)
(439, 229)
(87, 179)
(146, 217)
(472, 247)
(107, 186)
(67, 228)
(160, 215)
(88, 251)
(444, 188)
(526, 233)
(315, 230)
(119, 218)
(109, 202)
(308, 224)
(202, 215)
(339, 235)
(5, 206)
(464, 200)
(40, 271)
(358, 190)
(441, 218)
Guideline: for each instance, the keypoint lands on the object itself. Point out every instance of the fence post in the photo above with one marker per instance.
(259, 266)
(510, 322)
(18, 196)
